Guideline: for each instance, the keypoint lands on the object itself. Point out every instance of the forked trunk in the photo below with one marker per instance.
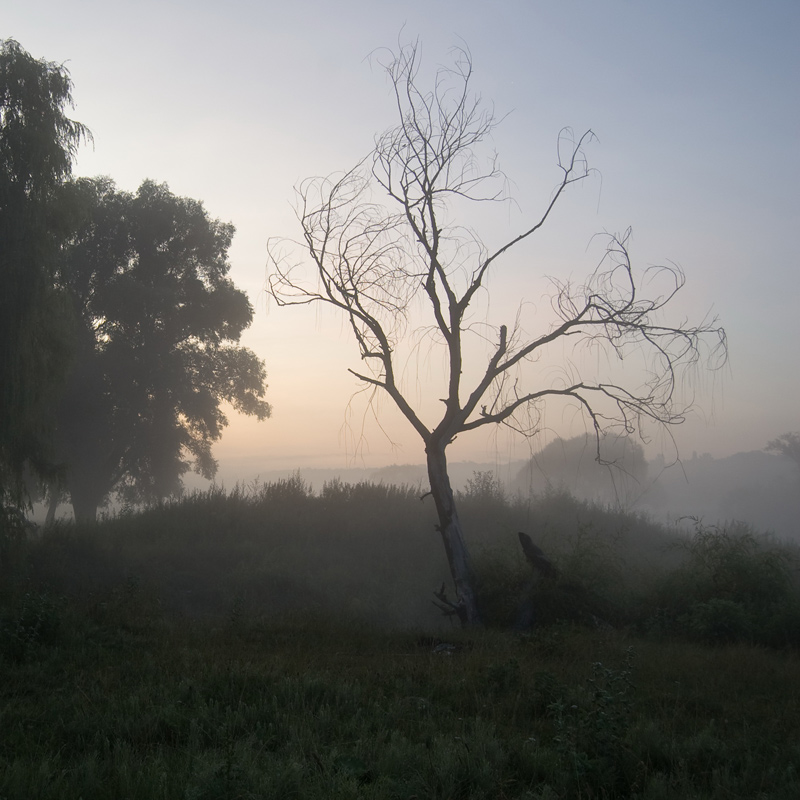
(466, 605)
(84, 509)
(53, 499)
(86, 498)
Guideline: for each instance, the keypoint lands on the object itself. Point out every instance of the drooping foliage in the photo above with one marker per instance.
(38, 143)
(157, 353)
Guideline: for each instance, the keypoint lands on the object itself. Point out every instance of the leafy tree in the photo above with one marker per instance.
(157, 349)
(613, 471)
(385, 249)
(787, 444)
(38, 143)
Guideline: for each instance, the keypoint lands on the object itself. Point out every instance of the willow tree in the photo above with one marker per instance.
(384, 247)
(38, 144)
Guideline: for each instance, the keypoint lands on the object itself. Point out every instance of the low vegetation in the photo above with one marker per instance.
(275, 643)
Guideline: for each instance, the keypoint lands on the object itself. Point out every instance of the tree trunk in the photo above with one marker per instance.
(452, 536)
(53, 497)
(85, 500)
(84, 510)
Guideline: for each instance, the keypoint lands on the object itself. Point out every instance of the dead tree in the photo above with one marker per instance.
(448, 607)
(536, 558)
(542, 568)
(384, 249)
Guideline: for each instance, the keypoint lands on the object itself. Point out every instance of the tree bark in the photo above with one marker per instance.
(53, 499)
(452, 535)
(85, 499)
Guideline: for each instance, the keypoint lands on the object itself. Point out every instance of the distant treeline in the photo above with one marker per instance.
(756, 488)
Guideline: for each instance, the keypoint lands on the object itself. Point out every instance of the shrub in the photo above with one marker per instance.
(719, 621)
(732, 586)
(33, 621)
(735, 564)
(591, 728)
(13, 532)
(502, 581)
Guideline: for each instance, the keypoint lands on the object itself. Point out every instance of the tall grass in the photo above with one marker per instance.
(320, 709)
(273, 643)
(363, 550)
(371, 553)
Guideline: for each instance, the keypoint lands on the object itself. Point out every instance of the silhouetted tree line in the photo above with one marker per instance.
(119, 325)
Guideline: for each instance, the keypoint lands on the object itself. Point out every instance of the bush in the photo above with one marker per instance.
(502, 581)
(13, 530)
(732, 586)
(33, 621)
(591, 728)
(735, 564)
(719, 621)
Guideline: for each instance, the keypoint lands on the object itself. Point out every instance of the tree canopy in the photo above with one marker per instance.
(787, 444)
(38, 143)
(156, 353)
(618, 475)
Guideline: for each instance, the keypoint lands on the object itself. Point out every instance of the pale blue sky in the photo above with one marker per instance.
(695, 106)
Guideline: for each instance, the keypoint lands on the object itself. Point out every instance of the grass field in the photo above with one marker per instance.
(254, 646)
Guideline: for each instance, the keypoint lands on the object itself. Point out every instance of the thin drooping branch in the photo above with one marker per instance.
(574, 169)
(607, 312)
(372, 261)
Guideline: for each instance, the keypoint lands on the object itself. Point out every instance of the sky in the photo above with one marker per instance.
(696, 113)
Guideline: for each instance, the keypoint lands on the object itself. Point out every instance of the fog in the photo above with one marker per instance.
(756, 488)
(697, 124)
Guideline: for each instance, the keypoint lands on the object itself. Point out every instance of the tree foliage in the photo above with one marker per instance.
(38, 143)
(787, 444)
(157, 350)
(383, 243)
(612, 469)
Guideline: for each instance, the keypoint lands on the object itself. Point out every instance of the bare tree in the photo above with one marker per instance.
(384, 250)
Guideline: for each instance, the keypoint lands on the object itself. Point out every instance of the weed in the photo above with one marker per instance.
(591, 730)
(34, 621)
